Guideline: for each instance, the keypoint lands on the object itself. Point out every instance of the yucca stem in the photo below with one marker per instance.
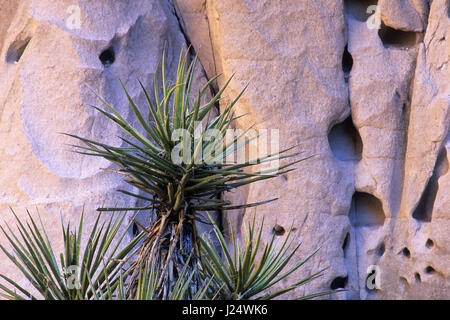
(171, 242)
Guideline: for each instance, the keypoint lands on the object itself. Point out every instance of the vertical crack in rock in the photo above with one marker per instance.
(424, 209)
(212, 52)
(345, 243)
(181, 25)
(191, 43)
(347, 63)
(399, 177)
(350, 262)
(346, 145)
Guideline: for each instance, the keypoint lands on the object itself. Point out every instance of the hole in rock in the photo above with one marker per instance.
(405, 252)
(366, 210)
(393, 38)
(380, 249)
(16, 50)
(346, 241)
(430, 270)
(404, 109)
(338, 282)
(347, 63)
(429, 243)
(278, 230)
(424, 209)
(107, 57)
(361, 10)
(345, 141)
(417, 277)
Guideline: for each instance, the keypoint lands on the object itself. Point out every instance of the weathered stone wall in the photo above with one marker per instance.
(372, 105)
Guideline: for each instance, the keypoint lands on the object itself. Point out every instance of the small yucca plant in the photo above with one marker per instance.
(248, 271)
(82, 273)
(100, 273)
(176, 191)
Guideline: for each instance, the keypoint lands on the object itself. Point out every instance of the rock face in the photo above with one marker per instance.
(364, 87)
(361, 85)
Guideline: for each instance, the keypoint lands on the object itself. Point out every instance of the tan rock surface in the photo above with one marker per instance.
(371, 105)
(356, 197)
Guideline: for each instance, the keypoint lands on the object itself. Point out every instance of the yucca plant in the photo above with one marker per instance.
(171, 179)
(82, 272)
(248, 271)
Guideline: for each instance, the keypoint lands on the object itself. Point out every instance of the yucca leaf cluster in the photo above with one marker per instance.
(99, 271)
(80, 272)
(178, 159)
(250, 270)
(201, 174)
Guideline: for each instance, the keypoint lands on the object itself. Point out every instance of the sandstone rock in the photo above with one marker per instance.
(371, 104)
(260, 41)
(429, 117)
(379, 90)
(195, 22)
(403, 14)
(294, 61)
